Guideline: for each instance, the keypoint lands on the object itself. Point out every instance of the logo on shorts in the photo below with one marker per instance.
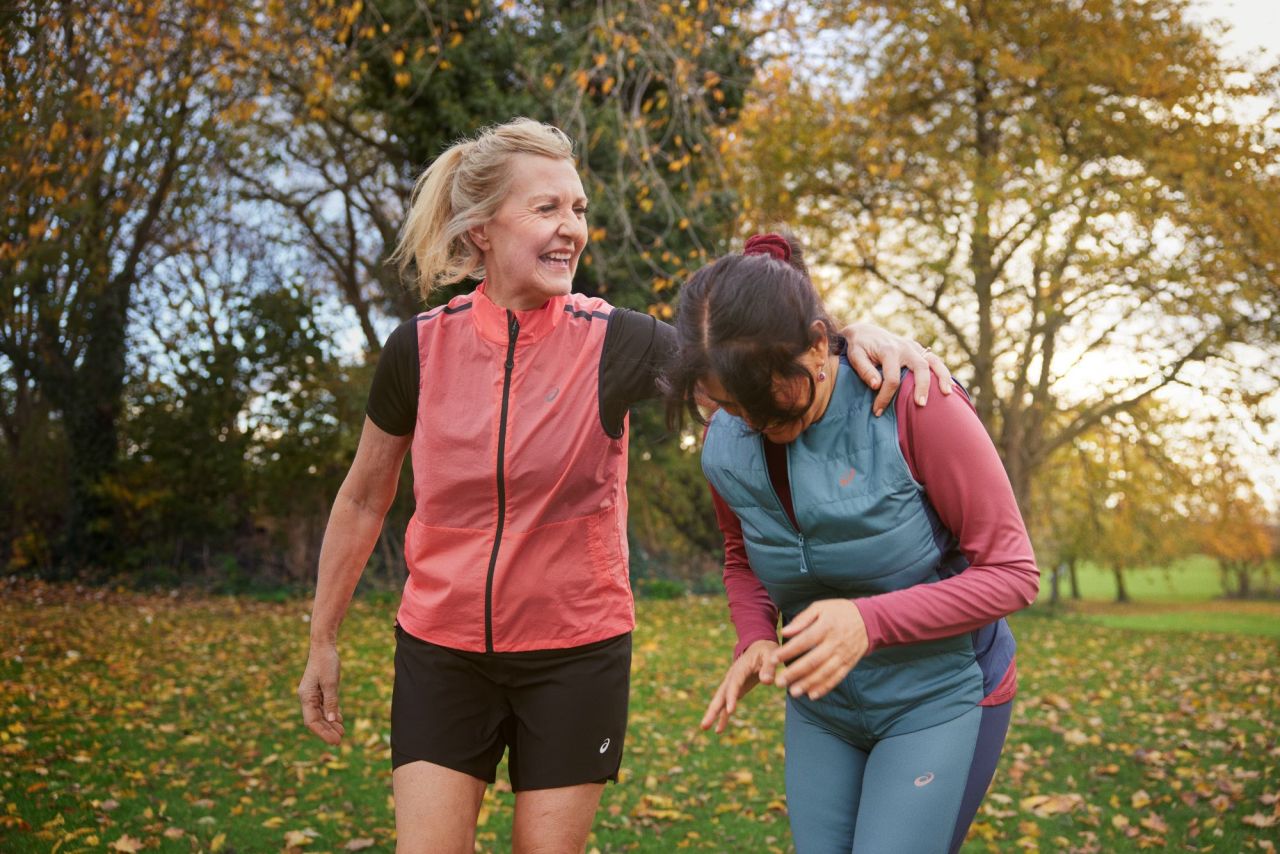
(848, 478)
(924, 780)
(551, 395)
(604, 745)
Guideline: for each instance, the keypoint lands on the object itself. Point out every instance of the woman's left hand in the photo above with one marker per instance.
(825, 641)
(869, 346)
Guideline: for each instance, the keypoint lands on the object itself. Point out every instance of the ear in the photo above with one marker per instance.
(821, 347)
(479, 236)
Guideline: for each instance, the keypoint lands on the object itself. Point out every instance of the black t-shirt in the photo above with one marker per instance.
(635, 346)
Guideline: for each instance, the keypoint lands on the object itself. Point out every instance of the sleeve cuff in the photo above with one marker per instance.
(870, 619)
(744, 642)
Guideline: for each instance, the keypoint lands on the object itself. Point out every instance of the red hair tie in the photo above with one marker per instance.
(773, 245)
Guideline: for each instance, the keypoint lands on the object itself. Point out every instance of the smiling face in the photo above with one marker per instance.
(533, 242)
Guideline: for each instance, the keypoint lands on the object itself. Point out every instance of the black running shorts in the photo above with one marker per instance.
(562, 712)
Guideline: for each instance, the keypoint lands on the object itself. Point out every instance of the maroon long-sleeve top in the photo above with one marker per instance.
(949, 452)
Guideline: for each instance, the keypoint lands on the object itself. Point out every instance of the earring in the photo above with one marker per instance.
(822, 376)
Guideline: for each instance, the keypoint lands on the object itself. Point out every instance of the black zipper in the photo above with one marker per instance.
(513, 331)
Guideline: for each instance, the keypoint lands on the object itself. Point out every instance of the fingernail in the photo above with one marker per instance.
(921, 400)
(331, 717)
(879, 411)
(796, 691)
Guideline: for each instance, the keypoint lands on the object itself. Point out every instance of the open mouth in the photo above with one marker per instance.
(557, 260)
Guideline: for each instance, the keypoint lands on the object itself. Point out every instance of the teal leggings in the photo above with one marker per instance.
(914, 793)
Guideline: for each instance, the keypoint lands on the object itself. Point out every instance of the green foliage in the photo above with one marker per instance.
(243, 428)
(1121, 741)
(661, 588)
(648, 90)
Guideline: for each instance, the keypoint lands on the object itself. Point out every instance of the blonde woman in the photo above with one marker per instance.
(514, 630)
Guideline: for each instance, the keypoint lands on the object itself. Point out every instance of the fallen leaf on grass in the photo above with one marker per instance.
(299, 838)
(127, 844)
(1047, 805)
(1154, 823)
(1260, 820)
(358, 844)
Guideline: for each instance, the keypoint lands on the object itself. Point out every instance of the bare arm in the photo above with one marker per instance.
(354, 525)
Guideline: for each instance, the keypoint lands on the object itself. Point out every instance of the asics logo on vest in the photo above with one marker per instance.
(604, 745)
(924, 779)
(848, 478)
(551, 395)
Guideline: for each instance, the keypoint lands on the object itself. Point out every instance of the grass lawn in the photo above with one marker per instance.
(136, 722)
(1182, 597)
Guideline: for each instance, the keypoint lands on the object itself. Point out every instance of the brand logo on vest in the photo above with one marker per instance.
(551, 395)
(924, 779)
(848, 479)
(604, 745)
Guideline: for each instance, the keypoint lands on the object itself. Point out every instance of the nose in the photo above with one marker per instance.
(573, 227)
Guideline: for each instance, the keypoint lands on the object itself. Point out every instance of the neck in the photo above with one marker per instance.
(513, 302)
(826, 389)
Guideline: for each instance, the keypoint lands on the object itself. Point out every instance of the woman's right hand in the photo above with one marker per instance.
(318, 693)
(751, 668)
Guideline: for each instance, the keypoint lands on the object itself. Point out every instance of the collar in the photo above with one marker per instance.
(491, 318)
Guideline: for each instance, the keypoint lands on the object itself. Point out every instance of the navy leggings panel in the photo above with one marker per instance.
(992, 731)
(915, 793)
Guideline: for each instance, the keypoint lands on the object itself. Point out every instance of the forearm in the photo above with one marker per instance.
(349, 538)
(753, 613)
(980, 595)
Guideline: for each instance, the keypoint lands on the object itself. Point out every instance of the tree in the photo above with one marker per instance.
(1056, 189)
(1119, 497)
(110, 116)
(1231, 521)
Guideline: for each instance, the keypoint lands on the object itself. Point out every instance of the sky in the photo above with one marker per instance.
(1253, 23)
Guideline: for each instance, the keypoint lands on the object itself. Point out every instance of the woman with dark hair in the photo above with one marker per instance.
(892, 548)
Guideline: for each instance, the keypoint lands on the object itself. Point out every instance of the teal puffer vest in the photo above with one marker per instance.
(865, 527)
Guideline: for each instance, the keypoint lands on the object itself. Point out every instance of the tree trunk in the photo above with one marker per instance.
(1075, 580)
(89, 399)
(1122, 595)
(1242, 581)
(1055, 577)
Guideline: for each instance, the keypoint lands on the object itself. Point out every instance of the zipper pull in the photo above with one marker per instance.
(513, 331)
(804, 568)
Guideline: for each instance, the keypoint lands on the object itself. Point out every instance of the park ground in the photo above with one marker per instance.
(167, 721)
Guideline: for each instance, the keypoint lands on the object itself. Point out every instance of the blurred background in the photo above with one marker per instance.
(1073, 202)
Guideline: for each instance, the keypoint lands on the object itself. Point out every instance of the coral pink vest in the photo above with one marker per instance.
(519, 538)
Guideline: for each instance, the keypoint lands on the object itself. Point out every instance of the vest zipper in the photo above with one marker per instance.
(804, 553)
(513, 331)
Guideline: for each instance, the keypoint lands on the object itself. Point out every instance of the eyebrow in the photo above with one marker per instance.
(553, 197)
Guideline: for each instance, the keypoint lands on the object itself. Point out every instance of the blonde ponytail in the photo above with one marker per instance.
(463, 189)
